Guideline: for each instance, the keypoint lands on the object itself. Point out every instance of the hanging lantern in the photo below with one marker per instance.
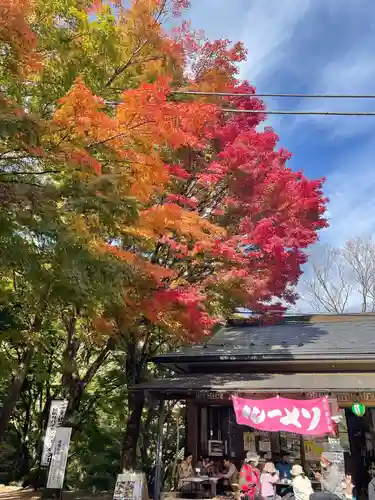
(359, 409)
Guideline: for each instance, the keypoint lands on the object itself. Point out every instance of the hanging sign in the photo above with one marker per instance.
(56, 417)
(249, 441)
(59, 458)
(311, 417)
(359, 409)
(312, 449)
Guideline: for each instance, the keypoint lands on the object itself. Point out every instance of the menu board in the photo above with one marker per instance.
(291, 443)
(130, 486)
(264, 444)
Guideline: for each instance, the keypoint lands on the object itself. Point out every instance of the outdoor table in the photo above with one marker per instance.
(199, 480)
(284, 484)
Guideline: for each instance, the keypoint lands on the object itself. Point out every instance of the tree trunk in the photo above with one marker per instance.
(130, 439)
(73, 385)
(145, 441)
(14, 391)
(136, 362)
(15, 387)
(25, 455)
(77, 386)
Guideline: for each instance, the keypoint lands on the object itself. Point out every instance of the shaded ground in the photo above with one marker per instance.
(17, 493)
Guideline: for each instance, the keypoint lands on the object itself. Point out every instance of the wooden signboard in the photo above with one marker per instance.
(344, 399)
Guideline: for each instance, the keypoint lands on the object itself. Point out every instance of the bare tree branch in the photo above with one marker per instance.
(359, 255)
(329, 287)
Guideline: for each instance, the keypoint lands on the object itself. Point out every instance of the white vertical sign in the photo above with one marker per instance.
(56, 417)
(60, 450)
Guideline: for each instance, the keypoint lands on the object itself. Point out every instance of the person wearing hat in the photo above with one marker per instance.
(250, 476)
(302, 488)
(330, 479)
(268, 480)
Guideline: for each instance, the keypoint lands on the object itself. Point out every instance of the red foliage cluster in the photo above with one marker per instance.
(269, 214)
(223, 221)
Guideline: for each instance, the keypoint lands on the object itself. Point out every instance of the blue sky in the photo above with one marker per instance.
(312, 46)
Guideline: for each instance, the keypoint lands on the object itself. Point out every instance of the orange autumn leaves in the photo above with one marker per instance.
(129, 141)
(143, 124)
(18, 40)
(184, 231)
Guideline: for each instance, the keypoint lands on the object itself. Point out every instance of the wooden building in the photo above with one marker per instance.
(299, 357)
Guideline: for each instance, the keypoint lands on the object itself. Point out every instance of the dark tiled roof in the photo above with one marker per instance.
(291, 382)
(329, 336)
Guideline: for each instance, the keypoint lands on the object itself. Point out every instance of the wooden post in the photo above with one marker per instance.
(159, 452)
(302, 452)
(192, 429)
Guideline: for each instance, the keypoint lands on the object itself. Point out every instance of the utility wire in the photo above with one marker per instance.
(308, 96)
(281, 112)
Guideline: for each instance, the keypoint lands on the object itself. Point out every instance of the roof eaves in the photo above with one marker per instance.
(287, 356)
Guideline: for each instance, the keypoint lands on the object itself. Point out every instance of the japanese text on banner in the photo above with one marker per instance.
(309, 417)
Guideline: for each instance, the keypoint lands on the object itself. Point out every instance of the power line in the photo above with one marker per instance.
(281, 112)
(302, 96)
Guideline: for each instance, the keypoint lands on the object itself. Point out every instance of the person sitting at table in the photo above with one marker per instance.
(206, 466)
(285, 467)
(185, 471)
(229, 476)
(268, 480)
(330, 479)
(250, 476)
(302, 488)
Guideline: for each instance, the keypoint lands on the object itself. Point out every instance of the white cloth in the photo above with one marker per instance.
(302, 488)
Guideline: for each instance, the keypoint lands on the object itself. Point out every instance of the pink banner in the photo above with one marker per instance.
(311, 417)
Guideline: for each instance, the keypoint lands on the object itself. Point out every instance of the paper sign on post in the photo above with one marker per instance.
(56, 417)
(59, 458)
(249, 441)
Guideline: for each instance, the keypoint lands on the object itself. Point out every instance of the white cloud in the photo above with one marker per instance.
(352, 200)
(269, 24)
(351, 73)
(351, 210)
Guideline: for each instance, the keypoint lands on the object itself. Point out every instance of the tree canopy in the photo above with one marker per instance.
(132, 218)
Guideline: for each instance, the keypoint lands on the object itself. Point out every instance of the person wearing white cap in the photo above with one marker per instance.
(302, 488)
(268, 480)
(250, 476)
